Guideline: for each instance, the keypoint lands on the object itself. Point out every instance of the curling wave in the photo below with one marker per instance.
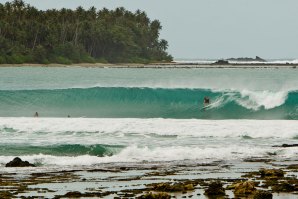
(122, 102)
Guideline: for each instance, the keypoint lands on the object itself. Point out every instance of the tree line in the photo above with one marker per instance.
(65, 36)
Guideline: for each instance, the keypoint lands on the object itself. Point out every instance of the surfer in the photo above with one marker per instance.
(36, 114)
(206, 101)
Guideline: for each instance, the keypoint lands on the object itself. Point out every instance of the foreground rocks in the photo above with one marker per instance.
(272, 173)
(263, 195)
(155, 196)
(244, 188)
(17, 162)
(255, 184)
(176, 187)
(215, 189)
(286, 145)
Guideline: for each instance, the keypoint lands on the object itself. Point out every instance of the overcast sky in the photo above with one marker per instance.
(213, 28)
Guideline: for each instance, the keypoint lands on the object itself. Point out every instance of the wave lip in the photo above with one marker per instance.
(257, 99)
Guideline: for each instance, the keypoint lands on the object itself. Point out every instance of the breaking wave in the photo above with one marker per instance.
(122, 102)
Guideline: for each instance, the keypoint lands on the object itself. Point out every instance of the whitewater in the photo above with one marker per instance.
(90, 116)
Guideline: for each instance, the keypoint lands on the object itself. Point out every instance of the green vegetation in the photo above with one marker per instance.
(65, 36)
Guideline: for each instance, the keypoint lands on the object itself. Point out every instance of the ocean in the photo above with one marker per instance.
(90, 116)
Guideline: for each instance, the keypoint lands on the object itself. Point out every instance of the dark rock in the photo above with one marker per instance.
(221, 62)
(74, 194)
(17, 162)
(283, 187)
(263, 195)
(155, 196)
(215, 189)
(6, 194)
(176, 187)
(276, 173)
(286, 145)
(293, 166)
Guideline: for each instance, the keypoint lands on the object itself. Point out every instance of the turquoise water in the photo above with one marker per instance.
(136, 115)
(149, 93)
(115, 102)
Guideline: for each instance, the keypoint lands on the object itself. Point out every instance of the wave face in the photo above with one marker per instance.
(121, 102)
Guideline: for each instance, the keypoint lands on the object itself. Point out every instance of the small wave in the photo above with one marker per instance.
(61, 150)
(8, 130)
(246, 137)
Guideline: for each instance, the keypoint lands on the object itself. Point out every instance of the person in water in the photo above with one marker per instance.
(36, 114)
(206, 101)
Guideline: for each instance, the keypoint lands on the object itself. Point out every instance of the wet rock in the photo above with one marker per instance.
(244, 188)
(262, 195)
(74, 194)
(283, 187)
(176, 187)
(155, 196)
(273, 173)
(6, 194)
(257, 160)
(215, 189)
(286, 145)
(77, 194)
(17, 162)
(293, 166)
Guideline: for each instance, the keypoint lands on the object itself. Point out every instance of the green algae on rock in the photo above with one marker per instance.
(151, 195)
(215, 189)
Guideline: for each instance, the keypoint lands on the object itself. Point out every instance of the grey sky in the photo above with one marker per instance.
(213, 28)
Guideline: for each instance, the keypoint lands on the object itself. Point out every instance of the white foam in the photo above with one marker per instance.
(139, 154)
(200, 140)
(256, 99)
(92, 130)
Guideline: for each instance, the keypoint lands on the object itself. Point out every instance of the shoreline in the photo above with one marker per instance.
(158, 65)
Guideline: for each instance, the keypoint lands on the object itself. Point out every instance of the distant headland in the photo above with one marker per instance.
(240, 59)
(247, 59)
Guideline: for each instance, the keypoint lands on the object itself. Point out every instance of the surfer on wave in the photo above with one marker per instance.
(206, 102)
